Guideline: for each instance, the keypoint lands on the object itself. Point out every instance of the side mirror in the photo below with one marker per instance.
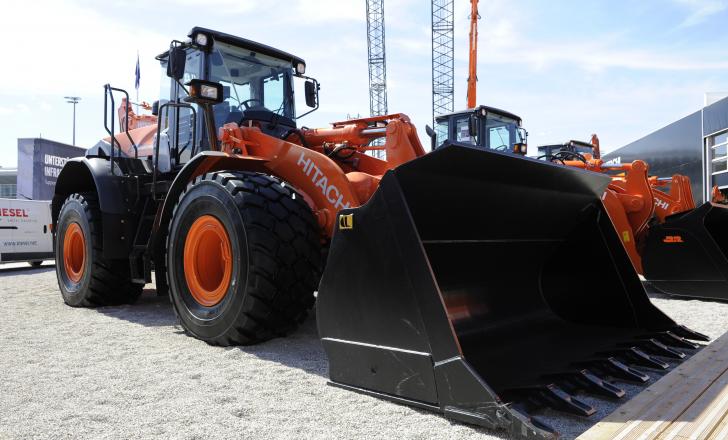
(155, 108)
(311, 90)
(433, 137)
(473, 125)
(176, 63)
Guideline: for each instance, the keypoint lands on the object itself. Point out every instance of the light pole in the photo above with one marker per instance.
(73, 100)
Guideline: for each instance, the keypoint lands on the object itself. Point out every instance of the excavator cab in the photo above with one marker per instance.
(485, 127)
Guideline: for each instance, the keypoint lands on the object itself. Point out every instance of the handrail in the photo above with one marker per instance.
(159, 132)
(109, 96)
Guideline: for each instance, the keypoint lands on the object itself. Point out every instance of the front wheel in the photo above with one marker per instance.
(85, 277)
(243, 258)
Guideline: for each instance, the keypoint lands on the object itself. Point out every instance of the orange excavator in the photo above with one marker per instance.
(678, 247)
(426, 298)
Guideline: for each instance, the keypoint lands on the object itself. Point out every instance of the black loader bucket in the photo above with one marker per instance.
(688, 254)
(482, 286)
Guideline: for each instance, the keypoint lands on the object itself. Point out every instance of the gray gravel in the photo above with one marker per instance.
(129, 372)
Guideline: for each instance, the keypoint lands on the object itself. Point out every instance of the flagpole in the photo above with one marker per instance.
(136, 83)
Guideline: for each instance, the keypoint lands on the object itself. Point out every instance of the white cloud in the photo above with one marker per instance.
(619, 86)
(701, 10)
(77, 51)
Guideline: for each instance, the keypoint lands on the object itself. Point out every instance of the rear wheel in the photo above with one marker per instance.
(243, 258)
(85, 277)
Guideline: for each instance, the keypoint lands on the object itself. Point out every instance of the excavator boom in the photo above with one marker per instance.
(473, 58)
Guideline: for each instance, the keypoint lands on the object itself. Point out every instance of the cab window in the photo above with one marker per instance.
(184, 120)
(462, 130)
(441, 132)
(499, 138)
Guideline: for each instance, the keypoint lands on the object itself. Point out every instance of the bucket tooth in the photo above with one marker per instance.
(589, 382)
(672, 340)
(656, 348)
(524, 409)
(555, 398)
(687, 333)
(537, 422)
(612, 367)
(634, 355)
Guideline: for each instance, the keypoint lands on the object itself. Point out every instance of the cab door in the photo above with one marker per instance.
(182, 120)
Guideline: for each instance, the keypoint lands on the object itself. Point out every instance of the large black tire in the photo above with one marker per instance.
(102, 282)
(276, 258)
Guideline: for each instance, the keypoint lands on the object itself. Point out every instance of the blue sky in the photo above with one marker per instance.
(570, 68)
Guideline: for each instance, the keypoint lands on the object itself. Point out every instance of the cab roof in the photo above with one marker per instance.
(477, 109)
(254, 46)
(249, 44)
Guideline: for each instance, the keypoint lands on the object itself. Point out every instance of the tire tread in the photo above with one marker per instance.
(282, 236)
(110, 282)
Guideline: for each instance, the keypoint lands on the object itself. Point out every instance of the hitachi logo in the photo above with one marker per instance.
(662, 204)
(331, 192)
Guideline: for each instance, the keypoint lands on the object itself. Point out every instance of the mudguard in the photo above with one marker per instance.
(117, 195)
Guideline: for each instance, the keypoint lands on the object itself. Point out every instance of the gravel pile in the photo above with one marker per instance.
(130, 372)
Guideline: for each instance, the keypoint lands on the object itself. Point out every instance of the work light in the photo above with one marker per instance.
(201, 39)
(204, 92)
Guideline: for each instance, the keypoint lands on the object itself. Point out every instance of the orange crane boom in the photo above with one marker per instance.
(473, 61)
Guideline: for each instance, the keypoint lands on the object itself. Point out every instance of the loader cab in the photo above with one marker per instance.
(261, 86)
(485, 127)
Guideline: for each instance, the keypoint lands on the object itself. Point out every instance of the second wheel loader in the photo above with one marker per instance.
(680, 249)
(440, 277)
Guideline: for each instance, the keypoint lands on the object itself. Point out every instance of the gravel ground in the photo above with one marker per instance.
(130, 372)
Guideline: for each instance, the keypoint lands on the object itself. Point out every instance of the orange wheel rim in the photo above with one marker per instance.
(208, 261)
(74, 252)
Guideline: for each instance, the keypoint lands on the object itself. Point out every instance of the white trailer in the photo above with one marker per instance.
(25, 231)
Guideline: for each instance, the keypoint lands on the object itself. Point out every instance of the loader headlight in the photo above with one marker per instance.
(201, 39)
(202, 92)
(300, 68)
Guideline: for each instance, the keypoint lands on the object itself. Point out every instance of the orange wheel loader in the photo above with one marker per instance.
(680, 249)
(440, 276)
